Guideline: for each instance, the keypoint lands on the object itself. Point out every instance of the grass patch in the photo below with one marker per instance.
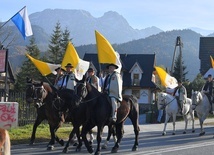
(21, 135)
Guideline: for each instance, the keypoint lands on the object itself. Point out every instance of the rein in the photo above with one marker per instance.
(91, 99)
(85, 101)
(54, 105)
(166, 104)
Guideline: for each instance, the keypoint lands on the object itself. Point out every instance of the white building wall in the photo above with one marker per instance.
(145, 95)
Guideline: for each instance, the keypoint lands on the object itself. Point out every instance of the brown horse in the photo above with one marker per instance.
(100, 113)
(4, 142)
(43, 96)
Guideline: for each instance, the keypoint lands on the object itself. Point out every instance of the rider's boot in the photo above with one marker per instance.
(114, 110)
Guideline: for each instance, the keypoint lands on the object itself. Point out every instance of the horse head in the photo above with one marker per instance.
(161, 102)
(81, 90)
(197, 98)
(39, 94)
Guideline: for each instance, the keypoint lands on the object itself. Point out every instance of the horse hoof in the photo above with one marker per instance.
(50, 148)
(184, 132)
(65, 150)
(75, 144)
(202, 133)
(104, 147)
(91, 150)
(193, 131)
(31, 143)
(114, 150)
(61, 142)
(163, 134)
(173, 133)
(78, 149)
(97, 153)
(135, 148)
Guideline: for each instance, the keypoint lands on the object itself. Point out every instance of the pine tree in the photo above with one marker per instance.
(57, 47)
(28, 69)
(65, 39)
(55, 52)
(177, 69)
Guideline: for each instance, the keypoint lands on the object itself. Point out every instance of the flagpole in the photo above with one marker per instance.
(48, 81)
(11, 18)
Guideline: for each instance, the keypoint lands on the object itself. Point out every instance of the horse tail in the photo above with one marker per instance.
(7, 144)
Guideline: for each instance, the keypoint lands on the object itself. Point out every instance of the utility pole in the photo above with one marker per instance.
(180, 45)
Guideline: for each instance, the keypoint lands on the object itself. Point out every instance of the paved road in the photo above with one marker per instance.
(151, 142)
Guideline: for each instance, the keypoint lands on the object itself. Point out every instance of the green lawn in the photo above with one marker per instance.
(21, 135)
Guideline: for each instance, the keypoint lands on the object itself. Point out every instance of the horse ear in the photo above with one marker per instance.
(41, 82)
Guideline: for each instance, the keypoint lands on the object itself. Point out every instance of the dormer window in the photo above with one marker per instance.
(136, 74)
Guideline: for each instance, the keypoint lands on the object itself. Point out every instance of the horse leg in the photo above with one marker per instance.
(65, 150)
(60, 141)
(119, 131)
(78, 148)
(99, 138)
(135, 123)
(91, 137)
(166, 121)
(110, 131)
(87, 127)
(193, 121)
(186, 122)
(201, 120)
(52, 141)
(38, 121)
(174, 119)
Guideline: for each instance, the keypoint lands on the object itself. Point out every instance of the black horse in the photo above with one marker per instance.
(43, 96)
(100, 112)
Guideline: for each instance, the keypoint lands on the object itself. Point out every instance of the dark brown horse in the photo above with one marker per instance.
(43, 96)
(4, 142)
(100, 112)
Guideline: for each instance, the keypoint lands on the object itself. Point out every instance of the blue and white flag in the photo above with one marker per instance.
(21, 20)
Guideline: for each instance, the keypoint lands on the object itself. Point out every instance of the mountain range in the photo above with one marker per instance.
(115, 28)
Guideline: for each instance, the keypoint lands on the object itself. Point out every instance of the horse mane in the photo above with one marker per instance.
(91, 88)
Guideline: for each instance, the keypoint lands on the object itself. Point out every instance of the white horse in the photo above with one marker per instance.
(170, 104)
(202, 106)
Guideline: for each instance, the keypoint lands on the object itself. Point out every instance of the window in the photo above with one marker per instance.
(136, 93)
(136, 80)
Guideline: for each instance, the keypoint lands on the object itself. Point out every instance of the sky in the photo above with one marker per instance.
(140, 14)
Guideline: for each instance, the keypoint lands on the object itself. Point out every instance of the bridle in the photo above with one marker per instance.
(164, 102)
(196, 103)
(84, 93)
(39, 94)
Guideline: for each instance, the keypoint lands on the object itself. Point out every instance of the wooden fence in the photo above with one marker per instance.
(27, 112)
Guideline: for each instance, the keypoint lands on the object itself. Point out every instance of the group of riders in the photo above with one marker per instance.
(180, 93)
(110, 83)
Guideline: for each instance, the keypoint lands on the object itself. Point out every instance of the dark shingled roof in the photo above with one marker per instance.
(145, 61)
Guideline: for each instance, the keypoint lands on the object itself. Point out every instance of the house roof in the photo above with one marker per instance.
(145, 61)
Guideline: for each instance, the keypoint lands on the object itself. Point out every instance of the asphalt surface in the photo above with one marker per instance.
(151, 142)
